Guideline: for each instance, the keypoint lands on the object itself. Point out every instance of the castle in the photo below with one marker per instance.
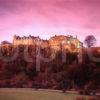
(65, 41)
(68, 42)
(30, 40)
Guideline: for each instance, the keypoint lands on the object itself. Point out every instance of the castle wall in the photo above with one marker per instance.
(24, 40)
(55, 42)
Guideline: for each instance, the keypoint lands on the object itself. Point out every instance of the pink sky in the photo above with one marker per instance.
(49, 17)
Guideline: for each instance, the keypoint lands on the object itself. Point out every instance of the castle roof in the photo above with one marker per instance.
(24, 37)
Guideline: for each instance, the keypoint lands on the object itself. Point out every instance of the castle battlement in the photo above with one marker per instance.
(30, 40)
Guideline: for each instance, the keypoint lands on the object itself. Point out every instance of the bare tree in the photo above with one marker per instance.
(90, 41)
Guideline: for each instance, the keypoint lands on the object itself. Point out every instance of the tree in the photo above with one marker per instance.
(90, 41)
(5, 42)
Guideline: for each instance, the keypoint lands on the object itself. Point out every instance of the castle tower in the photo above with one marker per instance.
(14, 39)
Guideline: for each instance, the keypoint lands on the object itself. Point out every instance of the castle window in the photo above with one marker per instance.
(68, 42)
(78, 46)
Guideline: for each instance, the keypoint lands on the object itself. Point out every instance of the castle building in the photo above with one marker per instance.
(68, 42)
(56, 42)
(30, 40)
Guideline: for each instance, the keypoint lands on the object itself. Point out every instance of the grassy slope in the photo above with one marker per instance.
(29, 94)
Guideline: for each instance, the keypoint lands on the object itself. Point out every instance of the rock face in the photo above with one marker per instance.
(69, 43)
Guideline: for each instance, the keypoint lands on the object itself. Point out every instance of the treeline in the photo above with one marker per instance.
(53, 74)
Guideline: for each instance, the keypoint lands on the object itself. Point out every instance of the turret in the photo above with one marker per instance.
(14, 39)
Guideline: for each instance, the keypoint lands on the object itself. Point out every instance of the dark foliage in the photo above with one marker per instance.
(54, 74)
